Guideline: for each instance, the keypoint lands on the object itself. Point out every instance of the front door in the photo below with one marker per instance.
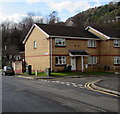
(73, 63)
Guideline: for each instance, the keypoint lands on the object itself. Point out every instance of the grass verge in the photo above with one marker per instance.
(69, 73)
(79, 73)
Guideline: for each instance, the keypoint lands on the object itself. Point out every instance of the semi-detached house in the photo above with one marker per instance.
(55, 46)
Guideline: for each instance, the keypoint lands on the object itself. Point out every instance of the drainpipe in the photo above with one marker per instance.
(51, 53)
(82, 63)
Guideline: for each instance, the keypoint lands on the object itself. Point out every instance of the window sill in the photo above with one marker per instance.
(117, 47)
(60, 64)
(92, 47)
(59, 46)
(90, 64)
(117, 64)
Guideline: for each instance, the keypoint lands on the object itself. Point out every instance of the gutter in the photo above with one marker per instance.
(69, 37)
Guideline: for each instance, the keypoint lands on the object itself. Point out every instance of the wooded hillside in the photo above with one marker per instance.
(107, 16)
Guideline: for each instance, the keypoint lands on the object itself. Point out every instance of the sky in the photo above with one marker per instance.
(15, 10)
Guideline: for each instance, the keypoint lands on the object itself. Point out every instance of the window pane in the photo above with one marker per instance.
(60, 60)
(56, 60)
(116, 60)
(64, 60)
(92, 60)
(35, 44)
(91, 43)
(116, 43)
(60, 42)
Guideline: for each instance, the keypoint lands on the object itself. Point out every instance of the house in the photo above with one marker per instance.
(55, 46)
(109, 44)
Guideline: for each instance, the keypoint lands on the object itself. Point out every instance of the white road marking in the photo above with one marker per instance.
(68, 84)
(62, 82)
(57, 82)
(75, 85)
(53, 81)
(80, 85)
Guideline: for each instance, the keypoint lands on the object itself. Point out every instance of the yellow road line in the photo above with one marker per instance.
(87, 85)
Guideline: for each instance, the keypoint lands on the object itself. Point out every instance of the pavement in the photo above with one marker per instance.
(111, 83)
(108, 84)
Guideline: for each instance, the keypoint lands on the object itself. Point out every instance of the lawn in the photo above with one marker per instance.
(79, 73)
(70, 73)
(65, 73)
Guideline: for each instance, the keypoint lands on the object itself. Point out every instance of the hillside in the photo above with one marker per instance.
(102, 16)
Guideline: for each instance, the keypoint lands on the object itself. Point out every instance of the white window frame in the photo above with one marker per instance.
(116, 43)
(117, 60)
(60, 42)
(92, 60)
(92, 43)
(35, 44)
(61, 60)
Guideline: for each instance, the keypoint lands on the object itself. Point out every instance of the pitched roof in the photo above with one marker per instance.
(60, 30)
(97, 33)
(111, 32)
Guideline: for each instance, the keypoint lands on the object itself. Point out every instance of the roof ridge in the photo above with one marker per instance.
(59, 25)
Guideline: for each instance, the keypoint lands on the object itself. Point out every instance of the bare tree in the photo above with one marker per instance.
(53, 17)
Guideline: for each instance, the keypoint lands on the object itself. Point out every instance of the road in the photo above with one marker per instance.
(61, 95)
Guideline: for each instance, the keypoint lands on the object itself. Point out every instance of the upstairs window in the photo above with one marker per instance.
(35, 45)
(92, 60)
(91, 43)
(60, 42)
(116, 43)
(60, 60)
(117, 60)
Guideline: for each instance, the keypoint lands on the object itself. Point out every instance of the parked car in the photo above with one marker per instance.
(8, 70)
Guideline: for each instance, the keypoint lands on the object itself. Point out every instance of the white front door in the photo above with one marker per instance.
(73, 63)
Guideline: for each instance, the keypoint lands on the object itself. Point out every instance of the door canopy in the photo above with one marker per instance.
(78, 53)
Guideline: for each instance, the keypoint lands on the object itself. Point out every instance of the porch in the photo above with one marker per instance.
(78, 60)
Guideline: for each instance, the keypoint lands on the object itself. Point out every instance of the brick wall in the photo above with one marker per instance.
(107, 54)
(39, 57)
(73, 44)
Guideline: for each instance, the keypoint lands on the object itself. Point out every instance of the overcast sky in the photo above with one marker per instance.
(14, 10)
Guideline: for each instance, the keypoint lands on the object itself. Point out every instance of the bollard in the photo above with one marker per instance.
(36, 72)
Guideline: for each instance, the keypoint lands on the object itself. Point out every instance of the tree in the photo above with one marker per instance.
(53, 17)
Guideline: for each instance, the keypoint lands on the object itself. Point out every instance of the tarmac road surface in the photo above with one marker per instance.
(24, 95)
